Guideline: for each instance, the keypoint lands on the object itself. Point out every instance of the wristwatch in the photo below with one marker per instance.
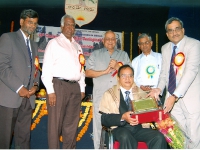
(36, 84)
(176, 98)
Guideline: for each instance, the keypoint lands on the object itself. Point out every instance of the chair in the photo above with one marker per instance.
(141, 145)
(115, 144)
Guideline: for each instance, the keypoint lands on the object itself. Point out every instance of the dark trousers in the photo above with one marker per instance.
(19, 120)
(63, 118)
(128, 140)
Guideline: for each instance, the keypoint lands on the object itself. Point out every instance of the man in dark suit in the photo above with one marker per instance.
(116, 115)
(18, 82)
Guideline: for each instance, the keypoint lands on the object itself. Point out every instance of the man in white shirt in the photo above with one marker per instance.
(63, 77)
(147, 66)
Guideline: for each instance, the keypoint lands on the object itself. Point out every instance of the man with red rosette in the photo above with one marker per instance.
(180, 74)
(102, 66)
(64, 79)
(18, 82)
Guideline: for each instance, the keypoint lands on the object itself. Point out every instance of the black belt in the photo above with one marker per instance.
(70, 81)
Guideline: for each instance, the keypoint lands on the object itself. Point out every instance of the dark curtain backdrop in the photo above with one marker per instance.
(137, 19)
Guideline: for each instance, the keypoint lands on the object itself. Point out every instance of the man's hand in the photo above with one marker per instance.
(82, 95)
(127, 116)
(113, 64)
(169, 104)
(32, 90)
(52, 99)
(23, 92)
(145, 88)
(108, 70)
(154, 93)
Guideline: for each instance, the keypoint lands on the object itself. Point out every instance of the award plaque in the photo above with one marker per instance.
(145, 109)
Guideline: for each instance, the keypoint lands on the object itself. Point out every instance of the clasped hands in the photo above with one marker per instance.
(25, 93)
(113, 65)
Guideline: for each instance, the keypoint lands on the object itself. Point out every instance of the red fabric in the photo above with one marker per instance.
(152, 116)
(141, 145)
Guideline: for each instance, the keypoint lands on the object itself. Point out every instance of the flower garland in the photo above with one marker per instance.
(87, 114)
(43, 111)
(87, 122)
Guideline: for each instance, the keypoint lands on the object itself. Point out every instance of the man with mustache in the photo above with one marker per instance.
(18, 82)
(180, 74)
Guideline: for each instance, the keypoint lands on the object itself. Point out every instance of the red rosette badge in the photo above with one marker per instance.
(179, 59)
(37, 66)
(120, 64)
(82, 61)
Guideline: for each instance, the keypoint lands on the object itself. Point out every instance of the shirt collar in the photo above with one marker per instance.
(124, 90)
(24, 35)
(178, 45)
(63, 36)
(151, 54)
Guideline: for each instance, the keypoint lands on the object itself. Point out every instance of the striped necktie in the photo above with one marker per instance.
(172, 75)
(128, 100)
(30, 57)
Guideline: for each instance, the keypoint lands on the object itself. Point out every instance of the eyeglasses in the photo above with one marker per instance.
(31, 22)
(124, 76)
(177, 29)
(110, 39)
(145, 43)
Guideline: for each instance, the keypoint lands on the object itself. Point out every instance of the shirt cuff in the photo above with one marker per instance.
(19, 88)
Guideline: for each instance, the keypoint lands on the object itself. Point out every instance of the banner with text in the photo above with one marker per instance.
(89, 40)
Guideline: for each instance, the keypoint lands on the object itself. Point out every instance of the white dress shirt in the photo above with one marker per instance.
(124, 94)
(61, 59)
(144, 66)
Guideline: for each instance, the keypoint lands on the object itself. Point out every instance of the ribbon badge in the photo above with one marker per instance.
(179, 59)
(37, 66)
(82, 61)
(120, 64)
(150, 70)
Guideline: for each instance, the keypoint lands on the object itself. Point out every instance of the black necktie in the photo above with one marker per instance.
(128, 100)
(172, 75)
(30, 57)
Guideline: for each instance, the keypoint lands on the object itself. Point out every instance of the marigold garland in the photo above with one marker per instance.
(87, 114)
(85, 128)
(43, 111)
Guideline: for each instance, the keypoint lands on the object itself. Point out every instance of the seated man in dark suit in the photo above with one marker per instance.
(116, 114)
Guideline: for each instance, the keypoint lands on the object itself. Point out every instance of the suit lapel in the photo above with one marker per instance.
(22, 45)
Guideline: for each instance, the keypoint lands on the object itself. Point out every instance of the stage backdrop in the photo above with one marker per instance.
(89, 40)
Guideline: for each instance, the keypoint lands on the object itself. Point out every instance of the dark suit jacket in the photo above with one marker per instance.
(109, 120)
(15, 68)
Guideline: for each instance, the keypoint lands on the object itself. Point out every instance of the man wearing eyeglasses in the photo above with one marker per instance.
(102, 66)
(181, 76)
(116, 114)
(147, 65)
(18, 82)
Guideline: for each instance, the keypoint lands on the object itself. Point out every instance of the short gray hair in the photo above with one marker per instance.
(144, 35)
(108, 32)
(63, 19)
(170, 20)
